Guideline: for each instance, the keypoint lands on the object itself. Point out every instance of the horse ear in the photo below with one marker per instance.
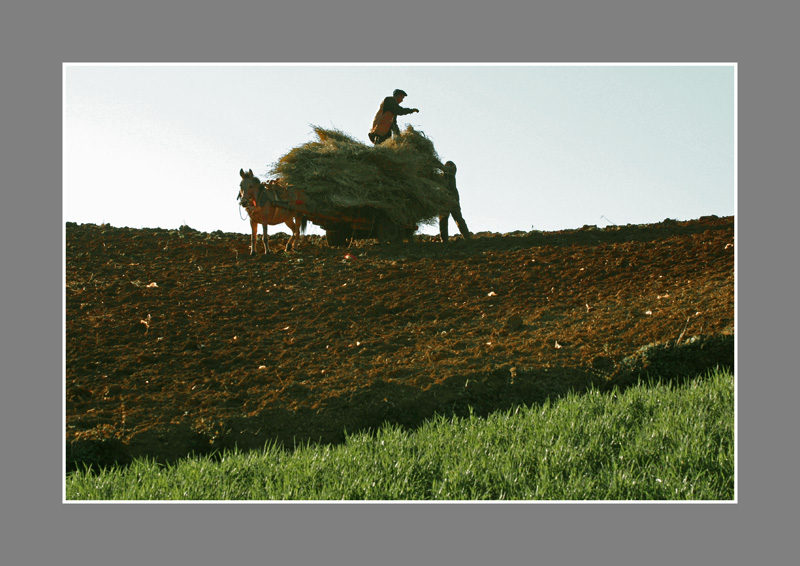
(241, 173)
(250, 173)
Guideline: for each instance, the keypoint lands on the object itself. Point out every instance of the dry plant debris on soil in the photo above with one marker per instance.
(178, 342)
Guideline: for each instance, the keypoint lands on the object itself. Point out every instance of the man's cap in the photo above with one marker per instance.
(398, 92)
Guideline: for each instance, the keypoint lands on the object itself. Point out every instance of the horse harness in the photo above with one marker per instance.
(269, 191)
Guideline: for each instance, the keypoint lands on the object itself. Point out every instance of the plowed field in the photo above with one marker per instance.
(178, 341)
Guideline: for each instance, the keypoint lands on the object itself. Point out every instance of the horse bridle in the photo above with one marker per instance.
(252, 189)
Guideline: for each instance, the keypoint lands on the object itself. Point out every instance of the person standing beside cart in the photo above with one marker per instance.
(449, 170)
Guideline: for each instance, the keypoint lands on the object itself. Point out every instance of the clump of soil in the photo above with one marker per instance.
(178, 342)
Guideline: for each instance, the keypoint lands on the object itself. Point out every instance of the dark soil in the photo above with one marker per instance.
(179, 342)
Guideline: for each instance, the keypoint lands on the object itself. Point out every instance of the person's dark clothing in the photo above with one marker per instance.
(450, 183)
(382, 129)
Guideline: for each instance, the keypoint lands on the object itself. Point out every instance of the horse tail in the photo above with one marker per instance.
(303, 224)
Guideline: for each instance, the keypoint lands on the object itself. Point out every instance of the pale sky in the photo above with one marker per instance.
(538, 147)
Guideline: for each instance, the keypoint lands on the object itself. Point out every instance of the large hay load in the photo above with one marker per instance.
(400, 179)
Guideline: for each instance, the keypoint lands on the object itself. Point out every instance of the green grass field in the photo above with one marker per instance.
(652, 441)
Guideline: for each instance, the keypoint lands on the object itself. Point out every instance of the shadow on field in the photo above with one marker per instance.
(395, 403)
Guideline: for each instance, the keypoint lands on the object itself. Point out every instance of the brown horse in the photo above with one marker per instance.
(262, 200)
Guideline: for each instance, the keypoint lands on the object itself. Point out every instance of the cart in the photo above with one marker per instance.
(342, 226)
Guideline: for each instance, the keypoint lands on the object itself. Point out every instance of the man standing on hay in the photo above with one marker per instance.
(449, 170)
(385, 122)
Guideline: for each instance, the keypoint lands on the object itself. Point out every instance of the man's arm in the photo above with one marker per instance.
(391, 105)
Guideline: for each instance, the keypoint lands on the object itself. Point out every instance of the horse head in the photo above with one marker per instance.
(248, 187)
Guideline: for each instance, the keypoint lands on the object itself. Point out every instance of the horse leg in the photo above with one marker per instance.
(294, 226)
(253, 236)
(266, 239)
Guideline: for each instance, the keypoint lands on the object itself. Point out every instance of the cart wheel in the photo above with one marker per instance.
(336, 236)
(389, 232)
